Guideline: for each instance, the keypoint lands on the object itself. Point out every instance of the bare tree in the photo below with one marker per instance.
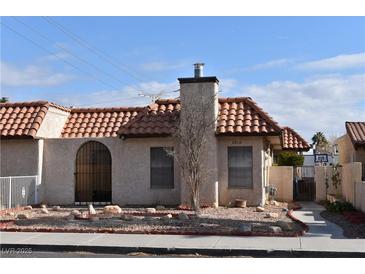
(196, 124)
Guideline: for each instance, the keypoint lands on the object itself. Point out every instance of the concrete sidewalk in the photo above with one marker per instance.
(322, 237)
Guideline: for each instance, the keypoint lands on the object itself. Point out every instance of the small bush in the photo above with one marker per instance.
(339, 207)
(289, 158)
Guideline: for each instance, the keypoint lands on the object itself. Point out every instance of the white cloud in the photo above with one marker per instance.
(318, 104)
(163, 66)
(30, 75)
(227, 85)
(339, 62)
(271, 64)
(126, 96)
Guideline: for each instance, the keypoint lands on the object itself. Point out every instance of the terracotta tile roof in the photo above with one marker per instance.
(293, 141)
(23, 119)
(237, 116)
(243, 116)
(356, 132)
(160, 118)
(98, 122)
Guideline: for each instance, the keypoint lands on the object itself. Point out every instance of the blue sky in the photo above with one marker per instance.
(307, 72)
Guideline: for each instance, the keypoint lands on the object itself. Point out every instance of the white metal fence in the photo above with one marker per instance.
(18, 191)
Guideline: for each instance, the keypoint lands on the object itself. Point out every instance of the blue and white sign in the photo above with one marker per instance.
(320, 158)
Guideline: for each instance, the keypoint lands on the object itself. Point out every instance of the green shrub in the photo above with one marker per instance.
(339, 207)
(289, 158)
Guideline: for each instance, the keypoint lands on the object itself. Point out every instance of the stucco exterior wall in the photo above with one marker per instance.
(320, 175)
(18, 157)
(254, 196)
(130, 171)
(359, 202)
(52, 123)
(360, 155)
(282, 178)
(351, 173)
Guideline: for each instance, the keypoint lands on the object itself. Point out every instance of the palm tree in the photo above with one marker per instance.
(319, 140)
(4, 99)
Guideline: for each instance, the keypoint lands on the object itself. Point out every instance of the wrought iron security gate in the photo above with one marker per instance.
(304, 184)
(93, 173)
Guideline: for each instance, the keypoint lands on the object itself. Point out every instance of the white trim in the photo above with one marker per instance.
(18, 176)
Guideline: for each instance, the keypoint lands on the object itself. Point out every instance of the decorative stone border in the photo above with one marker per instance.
(4, 227)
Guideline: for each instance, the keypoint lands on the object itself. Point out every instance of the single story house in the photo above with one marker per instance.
(118, 154)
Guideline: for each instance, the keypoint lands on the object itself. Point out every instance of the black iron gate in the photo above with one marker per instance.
(304, 184)
(93, 173)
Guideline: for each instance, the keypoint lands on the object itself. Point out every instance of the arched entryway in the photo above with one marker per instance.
(93, 173)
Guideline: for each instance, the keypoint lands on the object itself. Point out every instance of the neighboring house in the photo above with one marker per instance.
(118, 154)
(351, 146)
(291, 141)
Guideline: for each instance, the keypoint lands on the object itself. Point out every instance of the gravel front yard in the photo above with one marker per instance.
(136, 220)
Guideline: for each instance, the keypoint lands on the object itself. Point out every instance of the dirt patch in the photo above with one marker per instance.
(350, 230)
(220, 221)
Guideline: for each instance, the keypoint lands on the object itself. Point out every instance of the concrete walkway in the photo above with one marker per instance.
(318, 226)
(323, 236)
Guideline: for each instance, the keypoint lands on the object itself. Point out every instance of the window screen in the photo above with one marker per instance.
(240, 167)
(162, 168)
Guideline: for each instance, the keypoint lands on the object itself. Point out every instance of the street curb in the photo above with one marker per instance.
(184, 251)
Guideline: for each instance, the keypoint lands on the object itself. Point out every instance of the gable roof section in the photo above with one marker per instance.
(242, 116)
(356, 132)
(23, 120)
(158, 119)
(291, 140)
(98, 122)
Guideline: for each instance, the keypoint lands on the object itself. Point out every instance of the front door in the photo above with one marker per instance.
(93, 173)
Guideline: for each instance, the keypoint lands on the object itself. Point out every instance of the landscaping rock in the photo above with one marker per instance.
(285, 225)
(275, 203)
(56, 208)
(28, 207)
(44, 210)
(245, 228)
(260, 209)
(75, 212)
(272, 215)
(183, 216)
(83, 216)
(22, 216)
(12, 214)
(92, 211)
(114, 209)
(160, 207)
(240, 203)
(275, 229)
(166, 218)
(150, 210)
